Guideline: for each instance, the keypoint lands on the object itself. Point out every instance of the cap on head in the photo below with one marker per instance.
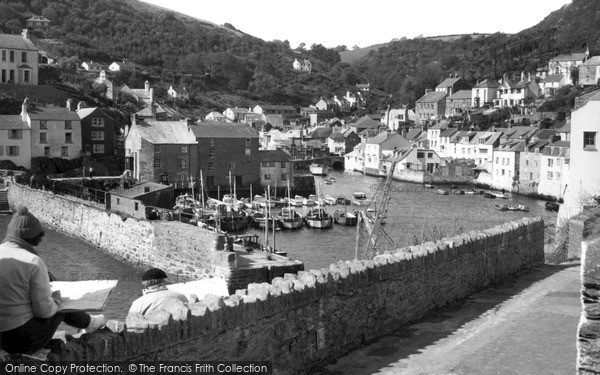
(154, 274)
(23, 224)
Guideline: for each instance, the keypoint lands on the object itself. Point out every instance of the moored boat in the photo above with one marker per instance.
(518, 207)
(552, 206)
(329, 200)
(489, 195)
(259, 220)
(318, 218)
(232, 219)
(346, 218)
(290, 219)
(360, 199)
(342, 200)
(501, 207)
(318, 169)
(442, 192)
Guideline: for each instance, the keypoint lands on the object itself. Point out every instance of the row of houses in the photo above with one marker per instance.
(58, 132)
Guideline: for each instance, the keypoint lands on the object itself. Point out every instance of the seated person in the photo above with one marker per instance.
(156, 296)
(29, 314)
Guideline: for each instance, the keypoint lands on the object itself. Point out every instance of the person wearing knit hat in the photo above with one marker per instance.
(156, 296)
(29, 310)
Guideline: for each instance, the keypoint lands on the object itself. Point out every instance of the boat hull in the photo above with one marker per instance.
(323, 223)
(291, 224)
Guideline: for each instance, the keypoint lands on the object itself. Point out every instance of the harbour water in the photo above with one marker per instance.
(412, 209)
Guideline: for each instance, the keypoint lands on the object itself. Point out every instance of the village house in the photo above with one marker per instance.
(564, 132)
(98, 131)
(121, 66)
(484, 144)
(584, 179)
(214, 116)
(326, 105)
(550, 84)
(511, 93)
(444, 147)
(225, 148)
(342, 141)
(139, 199)
(15, 139)
(413, 164)
(589, 72)
(355, 160)
(145, 95)
(460, 145)
(161, 151)
(396, 118)
(433, 134)
(276, 169)
(458, 103)
(236, 114)
(484, 93)
(38, 23)
(102, 80)
(380, 147)
(554, 169)
(505, 167)
(431, 106)
(91, 66)
(452, 85)
(178, 92)
(529, 167)
(364, 123)
(304, 66)
(355, 99)
(268, 109)
(566, 65)
(18, 59)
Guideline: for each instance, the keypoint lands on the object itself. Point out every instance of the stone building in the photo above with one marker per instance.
(18, 59)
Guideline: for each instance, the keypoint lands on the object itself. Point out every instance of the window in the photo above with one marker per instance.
(267, 176)
(3, 55)
(502, 172)
(156, 162)
(23, 57)
(156, 149)
(211, 154)
(68, 138)
(531, 176)
(549, 175)
(526, 162)
(589, 140)
(11, 75)
(248, 142)
(68, 125)
(88, 148)
(264, 164)
(231, 166)
(47, 152)
(284, 176)
(211, 167)
(497, 160)
(137, 206)
(98, 149)
(283, 164)
(550, 162)
(43, 138)
(97, 122)
(483, 150)
(97, 136)
(183, 163)
(12, 151)
(557, 176)
(64, 151)
(14, 134)
(247, 152)
(184, 149)
(119, 201)
(558, 161)
(430, 154)
(11, 55)
(211, 142)
(43, 125)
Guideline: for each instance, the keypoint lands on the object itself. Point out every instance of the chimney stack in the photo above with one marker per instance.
(69, 104)
(80, 105)
(147, 86)
(24, 109)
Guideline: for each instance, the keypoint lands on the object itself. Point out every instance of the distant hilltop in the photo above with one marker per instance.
(351, 56)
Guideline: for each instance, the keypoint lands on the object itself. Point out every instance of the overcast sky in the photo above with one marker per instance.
(364, 23)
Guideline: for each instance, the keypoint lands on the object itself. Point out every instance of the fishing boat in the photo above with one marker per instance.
(290, 219)
(318, 218)
(552, 206)
(442, 192)
(309, 202)
(501, 207)
(459, 192)
(428, 186)
(518, 207)
(319, 169)
(329, 200)
(342, 200)
(259, 220)
(260, 201)
(489, 195)
(360, 199)
(231, 219)
(344, 217)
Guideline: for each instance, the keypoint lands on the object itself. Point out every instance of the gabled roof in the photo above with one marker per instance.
(365, 122)
(462, 94)
(394, 138)
(448, 82)
(165, 132)
(432, 97)
(569, 57)
(321, 132)
(489, 84)
(140, 189)
(215, 129)
(524, 84)
(557, 149)
(273, 155)
(8, 41)
(566, 128)
(276, 107)
(238, 110)
(546, 133)
(448, 132)
(85, 112)
(413, 134)
(592, 61)
(442, 125)
(215, 114)
(552, 78)
(60, 114)
(337, 135)
(537, 145)
(13, 122)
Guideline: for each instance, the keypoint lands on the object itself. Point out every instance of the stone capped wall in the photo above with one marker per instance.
(300, 321)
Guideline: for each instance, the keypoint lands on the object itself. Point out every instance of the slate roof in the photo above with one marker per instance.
(448, 82)
(546, 133)
(444, 124)
(490, 84)
(569, 57)
(592, 61)
(137, 190)
(337, 135)
(321, 132)
(462, 94)
(166, 132)
(85, 112)
(270, 106)
(432, 97)
(552, 78)
(560, 149)
(448, 132)
(413, 133)
(61, 114)
(365, 122)
(13, 122)
(273, 155)
(8, 41)
(566, 128)
(216, 129)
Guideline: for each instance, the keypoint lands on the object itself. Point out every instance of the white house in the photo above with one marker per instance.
(483, 148)
(434, 132)
(178, 92)
(484, 93)
(379, 147)
(355, 160)
(91, 66)
(236, 114)
(554, 169)
(304, 66)
(565, 64)
(214, 116)
(505, 167)
(394, 117)
(19, 60)
(15, 139)
(584, 177)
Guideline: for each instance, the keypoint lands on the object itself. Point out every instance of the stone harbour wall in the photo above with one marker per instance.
(181, 249)
(588, 343)
(301, 321)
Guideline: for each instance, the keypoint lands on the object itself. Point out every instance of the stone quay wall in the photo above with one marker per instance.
(184, 250)
(301, 321)
(588, 343)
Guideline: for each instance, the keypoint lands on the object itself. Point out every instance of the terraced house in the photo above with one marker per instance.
(18, 59)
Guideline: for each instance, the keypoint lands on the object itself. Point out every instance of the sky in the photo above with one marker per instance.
(363, 23)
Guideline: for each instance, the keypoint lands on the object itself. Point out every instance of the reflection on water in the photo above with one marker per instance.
(412, 209)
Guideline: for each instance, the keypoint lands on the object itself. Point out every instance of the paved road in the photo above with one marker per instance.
(527, 325)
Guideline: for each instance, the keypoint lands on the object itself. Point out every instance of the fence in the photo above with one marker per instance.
(82, 192)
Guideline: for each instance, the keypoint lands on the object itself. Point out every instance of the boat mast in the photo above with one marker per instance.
(266, 221)
(202, 190)
(230, 192)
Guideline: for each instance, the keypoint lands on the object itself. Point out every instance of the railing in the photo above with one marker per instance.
(81, 192)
